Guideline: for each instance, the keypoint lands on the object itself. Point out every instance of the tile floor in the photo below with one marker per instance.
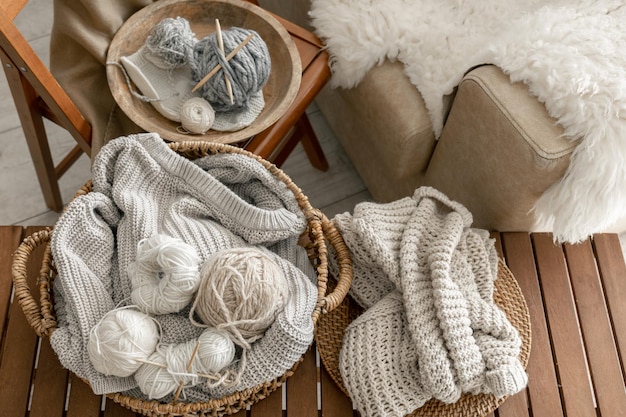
(334, 191)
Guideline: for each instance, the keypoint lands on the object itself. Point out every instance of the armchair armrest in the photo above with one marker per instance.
(498, 152)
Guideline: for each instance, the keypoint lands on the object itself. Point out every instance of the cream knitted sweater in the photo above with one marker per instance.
(431, 328)
(140, 188)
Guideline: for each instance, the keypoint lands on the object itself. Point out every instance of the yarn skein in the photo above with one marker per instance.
(121, 341)
(197, 115)
(164, 276)
(248, 71)
(242, 290)
(172, 40)
(175, 364)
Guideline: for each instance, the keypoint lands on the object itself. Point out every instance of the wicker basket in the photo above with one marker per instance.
(507, 295)
(320, 232)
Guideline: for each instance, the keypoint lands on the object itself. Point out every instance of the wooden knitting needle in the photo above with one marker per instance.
(180, 386)
(218, 66)
(164, 366)
(220, 43)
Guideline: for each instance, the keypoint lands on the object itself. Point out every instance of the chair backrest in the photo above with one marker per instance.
(37, 94)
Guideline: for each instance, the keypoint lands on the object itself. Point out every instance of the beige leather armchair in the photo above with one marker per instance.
(498, 152)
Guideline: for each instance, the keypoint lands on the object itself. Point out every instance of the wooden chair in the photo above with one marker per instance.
(37, 94)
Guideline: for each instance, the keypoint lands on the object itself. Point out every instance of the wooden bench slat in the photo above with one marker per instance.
(564, 329)
(515, 406)
(543, 385)
(18, 351)
(82, 401)
(302, 388)
(613, 274)
(49, 385)
(10, 238)
(272, 406)
(597, 331)
(334, 401)
(16, 363)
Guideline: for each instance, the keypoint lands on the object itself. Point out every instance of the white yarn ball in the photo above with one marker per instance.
(172, 364)
(242, 290)
(216, 350)
(165, 276)
(197, 115)
(153, 380)
(121, 341)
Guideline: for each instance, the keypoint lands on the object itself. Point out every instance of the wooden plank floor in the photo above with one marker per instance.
(575, 295)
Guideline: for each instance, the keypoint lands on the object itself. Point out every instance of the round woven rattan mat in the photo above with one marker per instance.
(507, 295)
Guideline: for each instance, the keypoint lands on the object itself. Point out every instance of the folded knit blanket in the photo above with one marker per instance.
(141, 188)
(431, 328)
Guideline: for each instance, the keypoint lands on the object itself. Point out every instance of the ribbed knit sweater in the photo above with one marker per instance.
(140, 188)
(431, 328)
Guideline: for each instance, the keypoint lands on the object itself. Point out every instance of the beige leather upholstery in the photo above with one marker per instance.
(498, 152)
(384, 128)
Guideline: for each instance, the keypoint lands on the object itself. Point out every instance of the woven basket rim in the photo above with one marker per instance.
(320, 231)
(507, 295)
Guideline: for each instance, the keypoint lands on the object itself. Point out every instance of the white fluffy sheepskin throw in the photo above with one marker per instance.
(570, 53)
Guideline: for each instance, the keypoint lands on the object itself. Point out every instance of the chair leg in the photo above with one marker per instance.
(311, 145)
(26, 102)
(303, 132)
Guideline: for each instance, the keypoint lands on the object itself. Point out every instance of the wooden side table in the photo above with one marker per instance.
(276, 143)
(575, 295)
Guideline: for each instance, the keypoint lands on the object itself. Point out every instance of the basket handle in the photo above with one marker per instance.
(41, 318)
(330, 301)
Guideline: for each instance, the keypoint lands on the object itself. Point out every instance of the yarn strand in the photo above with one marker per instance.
(241, 292)
(219, 65)
(173, 367)
(247, 71)
(121, 340)
(180, 386)
(164, 276)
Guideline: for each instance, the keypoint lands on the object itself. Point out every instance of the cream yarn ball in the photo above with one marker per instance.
(175, 364)
(165, 275)
(153, 378)
(121, 341)
(197, 115)
(242, 290)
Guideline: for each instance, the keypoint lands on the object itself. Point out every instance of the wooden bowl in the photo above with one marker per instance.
(279, 92)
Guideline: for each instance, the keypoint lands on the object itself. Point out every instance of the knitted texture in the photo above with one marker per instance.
(422, 247)
(141, 188)
(376, 341)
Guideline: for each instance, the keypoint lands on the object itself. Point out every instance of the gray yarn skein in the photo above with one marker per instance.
(248, 70)
(171, 42)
